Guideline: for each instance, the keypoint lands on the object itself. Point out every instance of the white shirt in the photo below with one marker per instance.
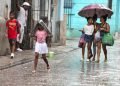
(88, 29)
(22, 16)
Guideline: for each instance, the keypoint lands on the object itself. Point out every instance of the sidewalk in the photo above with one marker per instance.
(28, 55)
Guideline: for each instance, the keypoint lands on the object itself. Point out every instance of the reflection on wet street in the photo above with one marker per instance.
(67, 70)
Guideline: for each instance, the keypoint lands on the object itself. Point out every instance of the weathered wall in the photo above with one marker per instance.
(3, 10)
(5, 6)
(4, 44)
(78, 22)
(63, 31)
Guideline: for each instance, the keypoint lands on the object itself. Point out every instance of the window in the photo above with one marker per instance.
(67, 3)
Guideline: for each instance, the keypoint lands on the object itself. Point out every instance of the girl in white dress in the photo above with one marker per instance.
(40, 45)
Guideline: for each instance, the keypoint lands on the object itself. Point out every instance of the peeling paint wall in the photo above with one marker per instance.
(3, 10)
(5, 6)
(78, 22)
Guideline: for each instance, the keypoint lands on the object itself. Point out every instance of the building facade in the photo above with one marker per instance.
(5, 6)
(76, 22)
(53, 10)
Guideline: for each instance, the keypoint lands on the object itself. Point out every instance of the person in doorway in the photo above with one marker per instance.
(88, 31)
(12, 30)
(104, 28)
(40, 45)
(22, 19)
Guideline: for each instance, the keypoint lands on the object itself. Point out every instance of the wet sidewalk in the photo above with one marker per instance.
(28, 55)
(66, 69)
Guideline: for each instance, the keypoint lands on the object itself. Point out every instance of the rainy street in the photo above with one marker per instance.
(67, 70)
(55, 28)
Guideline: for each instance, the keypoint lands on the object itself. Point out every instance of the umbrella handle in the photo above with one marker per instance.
(95, 11)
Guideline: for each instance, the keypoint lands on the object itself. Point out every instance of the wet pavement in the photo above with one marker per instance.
(67, 70)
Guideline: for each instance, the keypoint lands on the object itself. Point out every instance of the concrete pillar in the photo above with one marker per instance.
(63, 31)
(49, 16)
(117, 14)
(54, 19)
(61, 10)
(117, 19)
(5, 6)
(58, 18)
(36, 8)
(4, 44)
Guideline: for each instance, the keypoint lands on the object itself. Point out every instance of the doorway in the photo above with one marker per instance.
(26, 40)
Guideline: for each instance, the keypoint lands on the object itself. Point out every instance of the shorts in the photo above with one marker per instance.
(11, 41)
(41, 48)
(89, 38)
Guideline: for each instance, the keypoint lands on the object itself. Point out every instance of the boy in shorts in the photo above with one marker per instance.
(12, 31)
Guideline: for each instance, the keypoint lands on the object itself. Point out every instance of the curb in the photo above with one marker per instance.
(23, 61)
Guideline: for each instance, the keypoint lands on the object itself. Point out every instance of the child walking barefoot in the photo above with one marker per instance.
(40, 46)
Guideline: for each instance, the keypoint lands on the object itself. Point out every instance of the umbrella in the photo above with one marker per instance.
(45, 26)
(98, 9)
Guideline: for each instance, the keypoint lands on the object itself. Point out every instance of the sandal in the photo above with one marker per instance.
(48, 68)
(98, 61)
(105, 60)
(90, 56)
(34, 71)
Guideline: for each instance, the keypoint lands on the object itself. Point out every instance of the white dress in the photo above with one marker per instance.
(41, 48)
(40, 45)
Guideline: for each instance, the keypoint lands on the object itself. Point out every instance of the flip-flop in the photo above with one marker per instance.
(34, 71)
(90, 56)
(48, 69)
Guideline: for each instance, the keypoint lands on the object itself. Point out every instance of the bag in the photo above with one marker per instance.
(81, 41)
(97, 35)
(108, 39)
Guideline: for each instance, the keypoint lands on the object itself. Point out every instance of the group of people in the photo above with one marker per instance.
(16, 27)
(15, 33)
(93, 33)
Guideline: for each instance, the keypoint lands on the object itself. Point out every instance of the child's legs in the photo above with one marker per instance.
(94, 50)
(83, 50)
(10, 42)
(98, 50)
(45, 59)
(105, 51)
(36, 60)
(89, 49)
(12, 45)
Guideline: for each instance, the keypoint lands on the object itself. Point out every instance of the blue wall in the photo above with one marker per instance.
(78, 22)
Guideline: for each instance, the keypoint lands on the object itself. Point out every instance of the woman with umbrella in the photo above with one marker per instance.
(105, 28)
(99, 10)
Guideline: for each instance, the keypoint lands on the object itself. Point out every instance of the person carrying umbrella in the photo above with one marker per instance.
(99, 10)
